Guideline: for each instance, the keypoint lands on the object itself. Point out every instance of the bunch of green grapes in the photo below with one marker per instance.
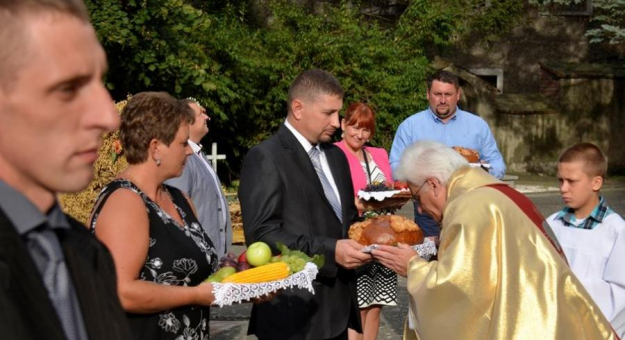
(295, 259)
(295, 263)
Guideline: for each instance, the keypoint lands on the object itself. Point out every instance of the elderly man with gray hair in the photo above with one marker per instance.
(500, 273)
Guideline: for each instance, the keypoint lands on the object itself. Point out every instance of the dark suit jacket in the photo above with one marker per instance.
(282, 200)
(26, 312)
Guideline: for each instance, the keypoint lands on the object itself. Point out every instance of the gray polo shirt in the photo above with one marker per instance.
(31, 224)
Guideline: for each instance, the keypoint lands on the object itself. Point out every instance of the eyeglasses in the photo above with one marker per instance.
(415, 196)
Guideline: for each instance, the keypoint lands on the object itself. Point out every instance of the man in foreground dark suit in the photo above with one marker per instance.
(296, 189)
(56, 280)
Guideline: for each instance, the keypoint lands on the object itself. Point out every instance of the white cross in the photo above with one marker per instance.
(214, 157)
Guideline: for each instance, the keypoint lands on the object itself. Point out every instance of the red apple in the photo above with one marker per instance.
(242, 258)
(258, 254)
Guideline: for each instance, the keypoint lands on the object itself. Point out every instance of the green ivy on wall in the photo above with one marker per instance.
(240, 69)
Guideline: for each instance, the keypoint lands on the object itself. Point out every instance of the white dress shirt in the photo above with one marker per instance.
(322, 157)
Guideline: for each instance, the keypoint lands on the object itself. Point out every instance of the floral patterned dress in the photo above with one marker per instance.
(177, 256)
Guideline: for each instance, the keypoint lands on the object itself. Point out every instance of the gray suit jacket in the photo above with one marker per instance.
(197, 182)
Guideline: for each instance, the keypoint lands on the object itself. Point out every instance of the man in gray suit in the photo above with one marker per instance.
(200, 182)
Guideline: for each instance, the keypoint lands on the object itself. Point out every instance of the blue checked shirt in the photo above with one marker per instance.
(463, 129)
(567, 215)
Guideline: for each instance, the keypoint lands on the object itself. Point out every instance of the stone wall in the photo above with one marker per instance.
(593, 110)
(539, 37)
(531, 137)
(590, 111)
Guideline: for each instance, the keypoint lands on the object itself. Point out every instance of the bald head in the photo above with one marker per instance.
(15, 33)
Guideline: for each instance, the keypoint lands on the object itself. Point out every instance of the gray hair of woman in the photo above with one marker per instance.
(428, 159)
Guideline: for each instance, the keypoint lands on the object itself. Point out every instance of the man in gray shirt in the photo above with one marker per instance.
(200, 182)
(56, 280)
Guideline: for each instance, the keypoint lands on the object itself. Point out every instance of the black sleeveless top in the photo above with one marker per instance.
(177, 256)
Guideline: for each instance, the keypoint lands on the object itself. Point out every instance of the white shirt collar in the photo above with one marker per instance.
(305, 143)
(196, 148)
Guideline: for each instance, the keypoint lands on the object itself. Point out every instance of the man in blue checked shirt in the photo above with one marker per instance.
(444, 122)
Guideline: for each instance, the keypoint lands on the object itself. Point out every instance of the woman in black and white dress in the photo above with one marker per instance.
(161, 252)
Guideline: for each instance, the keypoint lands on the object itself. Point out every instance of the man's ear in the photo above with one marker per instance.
(297, 106)
(597, 183)
(435, 185)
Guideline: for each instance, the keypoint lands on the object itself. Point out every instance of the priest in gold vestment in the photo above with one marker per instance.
(500, 273)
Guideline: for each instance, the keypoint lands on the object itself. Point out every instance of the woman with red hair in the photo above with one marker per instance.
(376, 284)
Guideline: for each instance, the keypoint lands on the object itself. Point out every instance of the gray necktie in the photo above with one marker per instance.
(327, 188)
(56, 279)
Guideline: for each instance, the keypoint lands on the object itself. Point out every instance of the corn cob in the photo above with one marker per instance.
(265, 273)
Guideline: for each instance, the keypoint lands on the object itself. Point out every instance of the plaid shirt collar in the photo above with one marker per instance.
(567, 215)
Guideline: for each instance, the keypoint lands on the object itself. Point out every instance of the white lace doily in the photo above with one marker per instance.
(228, 293)
(378, 195)
(426, 250)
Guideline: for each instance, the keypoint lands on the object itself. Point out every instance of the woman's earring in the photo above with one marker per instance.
(158, 162)
(342, 135)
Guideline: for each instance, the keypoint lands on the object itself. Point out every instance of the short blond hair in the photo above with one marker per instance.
(594, 161)
(14, 35)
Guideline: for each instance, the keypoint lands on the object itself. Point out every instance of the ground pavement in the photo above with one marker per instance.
(231, 322)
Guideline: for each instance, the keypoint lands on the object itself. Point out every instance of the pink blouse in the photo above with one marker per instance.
(359, 175)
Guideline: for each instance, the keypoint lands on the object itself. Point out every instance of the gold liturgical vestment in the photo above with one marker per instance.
(498, 276)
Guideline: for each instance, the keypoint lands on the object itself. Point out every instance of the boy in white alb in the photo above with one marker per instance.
(591, 234)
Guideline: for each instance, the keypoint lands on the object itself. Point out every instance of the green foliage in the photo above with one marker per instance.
(607, 21)
(446, 22)
(240, 70)
(154, 45)
(371, 64)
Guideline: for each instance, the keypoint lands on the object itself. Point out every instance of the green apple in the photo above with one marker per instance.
(258, 254)
(221, 274)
